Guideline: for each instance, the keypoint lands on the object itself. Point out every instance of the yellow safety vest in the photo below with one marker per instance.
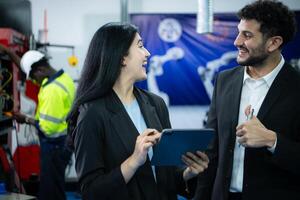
(54, 103)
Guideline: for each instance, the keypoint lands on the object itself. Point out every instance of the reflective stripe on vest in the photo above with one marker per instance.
(51, 119)
(62, 86)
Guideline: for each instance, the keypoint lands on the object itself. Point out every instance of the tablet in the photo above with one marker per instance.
(176, 142)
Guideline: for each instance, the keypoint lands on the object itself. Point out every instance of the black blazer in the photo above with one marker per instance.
(105, 136)
(266, 175)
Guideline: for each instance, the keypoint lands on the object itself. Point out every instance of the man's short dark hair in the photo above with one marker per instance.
(274, 17)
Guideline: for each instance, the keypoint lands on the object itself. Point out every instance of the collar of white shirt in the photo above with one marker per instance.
(268, 78)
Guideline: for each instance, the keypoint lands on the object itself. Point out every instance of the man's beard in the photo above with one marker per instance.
(254, 61)
(257, 58)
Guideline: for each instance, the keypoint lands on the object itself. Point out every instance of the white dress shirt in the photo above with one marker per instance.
(253, 93)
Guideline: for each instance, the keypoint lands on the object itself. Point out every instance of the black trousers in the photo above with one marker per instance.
(54, 159)
(235, 196)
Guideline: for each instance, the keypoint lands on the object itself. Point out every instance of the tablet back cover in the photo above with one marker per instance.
(176, 142)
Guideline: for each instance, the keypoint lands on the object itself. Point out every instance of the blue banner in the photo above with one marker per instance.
(183, 63)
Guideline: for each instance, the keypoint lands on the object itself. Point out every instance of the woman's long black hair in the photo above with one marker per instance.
(102, 65)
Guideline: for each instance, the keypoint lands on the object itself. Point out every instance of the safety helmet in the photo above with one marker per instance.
(28, 59)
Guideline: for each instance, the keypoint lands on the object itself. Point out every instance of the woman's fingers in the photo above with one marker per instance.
(143, 143)
(149, 131)
(147, 139)
(197, 161)
(200, 158)
(203, 156)
(193, 166)
(151, 134)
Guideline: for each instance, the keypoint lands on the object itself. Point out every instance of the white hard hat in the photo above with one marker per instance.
(28, 59)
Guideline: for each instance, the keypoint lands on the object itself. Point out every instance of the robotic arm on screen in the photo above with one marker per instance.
(156, 69)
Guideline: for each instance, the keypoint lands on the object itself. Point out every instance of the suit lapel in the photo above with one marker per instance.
(234, 106)
(121, 122)
(148, 111)
(278, 87)
(236, 89)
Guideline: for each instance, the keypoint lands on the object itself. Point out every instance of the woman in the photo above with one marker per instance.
(115, 125)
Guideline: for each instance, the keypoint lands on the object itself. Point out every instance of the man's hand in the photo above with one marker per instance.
(253, 133)
(20, 118)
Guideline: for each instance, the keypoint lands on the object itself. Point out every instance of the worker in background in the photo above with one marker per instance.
(54, 102)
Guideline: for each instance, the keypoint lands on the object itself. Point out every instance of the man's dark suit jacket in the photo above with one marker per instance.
(105, 137)
(266, 176)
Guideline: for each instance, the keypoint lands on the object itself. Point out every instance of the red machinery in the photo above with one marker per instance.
(26, 158)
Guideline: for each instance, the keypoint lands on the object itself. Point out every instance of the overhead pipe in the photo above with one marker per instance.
(205, 16)
(124, 11)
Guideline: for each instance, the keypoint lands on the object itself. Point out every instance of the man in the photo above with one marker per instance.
(259, 158)
(54, 102)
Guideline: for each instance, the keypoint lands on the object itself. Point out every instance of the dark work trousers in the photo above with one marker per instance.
(55, 156)
(235, 196)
